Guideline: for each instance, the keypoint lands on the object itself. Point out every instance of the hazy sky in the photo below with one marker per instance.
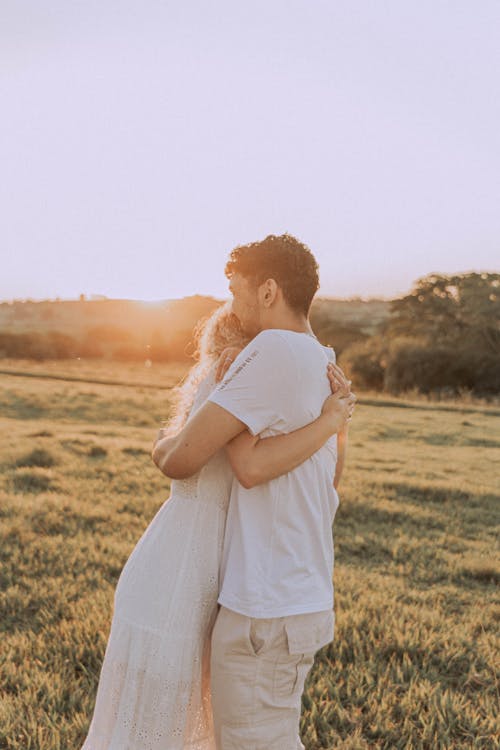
(141, 140)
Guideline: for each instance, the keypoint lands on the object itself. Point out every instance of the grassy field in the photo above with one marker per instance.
(414, 657)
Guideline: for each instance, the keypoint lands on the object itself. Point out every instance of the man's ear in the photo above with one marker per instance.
(268, 292)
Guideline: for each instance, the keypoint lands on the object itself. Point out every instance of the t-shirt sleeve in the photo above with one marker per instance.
(260, 387)
(330, 353)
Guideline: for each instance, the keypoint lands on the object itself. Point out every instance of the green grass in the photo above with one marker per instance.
(415, 651)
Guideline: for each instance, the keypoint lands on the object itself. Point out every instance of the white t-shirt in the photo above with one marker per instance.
(278, 549)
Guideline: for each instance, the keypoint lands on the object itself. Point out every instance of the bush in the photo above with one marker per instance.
(403, 364)
(97, 451)
(21, 346)
(338, 335)
(88, 348)
(37, 457)
(414, 365)
(364, 363)
(60, 346)
(130, 353)
(32, 482)
(52, 345)
(486, 374)
(109, 334)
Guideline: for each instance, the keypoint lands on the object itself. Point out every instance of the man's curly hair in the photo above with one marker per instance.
(282, 258)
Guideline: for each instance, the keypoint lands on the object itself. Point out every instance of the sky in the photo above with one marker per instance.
(141, 140)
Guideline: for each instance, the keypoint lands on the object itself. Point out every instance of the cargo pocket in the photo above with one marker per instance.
(286, 675)
(310, 632)
(305, 634)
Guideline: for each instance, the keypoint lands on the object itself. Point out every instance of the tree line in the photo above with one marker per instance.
(444, 336)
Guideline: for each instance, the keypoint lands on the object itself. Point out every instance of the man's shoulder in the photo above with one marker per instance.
(282, 342)
(330, 352)
(289, 338)
(270, 334)
(272, 340)
(265, 358)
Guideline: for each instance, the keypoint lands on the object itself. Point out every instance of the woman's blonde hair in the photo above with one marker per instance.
(212, 335)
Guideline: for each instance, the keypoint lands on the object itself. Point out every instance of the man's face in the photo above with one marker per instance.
(245, 304)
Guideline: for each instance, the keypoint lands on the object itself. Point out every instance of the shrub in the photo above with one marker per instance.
(37, 457)
(414, 365)
(400, 364)
(96, 451)
(52, 345)
(131, 353)
(30, 482)
(364, 362)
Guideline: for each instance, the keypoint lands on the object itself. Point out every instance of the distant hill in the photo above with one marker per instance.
(161, 331)
(76, 317)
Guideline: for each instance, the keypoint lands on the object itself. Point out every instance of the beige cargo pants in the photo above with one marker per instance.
(258, 670)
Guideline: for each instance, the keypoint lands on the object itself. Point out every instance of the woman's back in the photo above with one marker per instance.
(154, 686)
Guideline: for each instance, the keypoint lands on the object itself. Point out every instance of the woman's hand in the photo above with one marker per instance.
(225, 361)
(339, 408)
(338, 381)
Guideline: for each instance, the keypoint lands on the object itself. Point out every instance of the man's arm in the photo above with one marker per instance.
(202, 436)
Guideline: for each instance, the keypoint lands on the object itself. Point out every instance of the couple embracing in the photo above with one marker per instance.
(228, 594)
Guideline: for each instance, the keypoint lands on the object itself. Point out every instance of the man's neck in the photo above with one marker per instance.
(289, 323)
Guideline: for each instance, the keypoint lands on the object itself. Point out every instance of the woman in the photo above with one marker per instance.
(153, 692)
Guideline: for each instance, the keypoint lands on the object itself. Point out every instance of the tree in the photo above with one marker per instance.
(444, 335)
(457, 311)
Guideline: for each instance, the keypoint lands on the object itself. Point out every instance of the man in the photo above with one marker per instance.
(276, 595)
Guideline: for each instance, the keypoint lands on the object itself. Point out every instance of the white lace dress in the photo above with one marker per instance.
(154, 691)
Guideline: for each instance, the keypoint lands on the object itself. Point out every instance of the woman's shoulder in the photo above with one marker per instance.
(205, 386)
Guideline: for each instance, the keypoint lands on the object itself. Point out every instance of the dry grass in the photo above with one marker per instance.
(413, 661)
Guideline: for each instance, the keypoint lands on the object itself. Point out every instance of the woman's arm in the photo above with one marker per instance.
(342, 436)
(206, 432)
(164, 442)
(255, 460)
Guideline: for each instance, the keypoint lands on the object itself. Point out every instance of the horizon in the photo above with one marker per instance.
(96, 296)
(104, 298)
